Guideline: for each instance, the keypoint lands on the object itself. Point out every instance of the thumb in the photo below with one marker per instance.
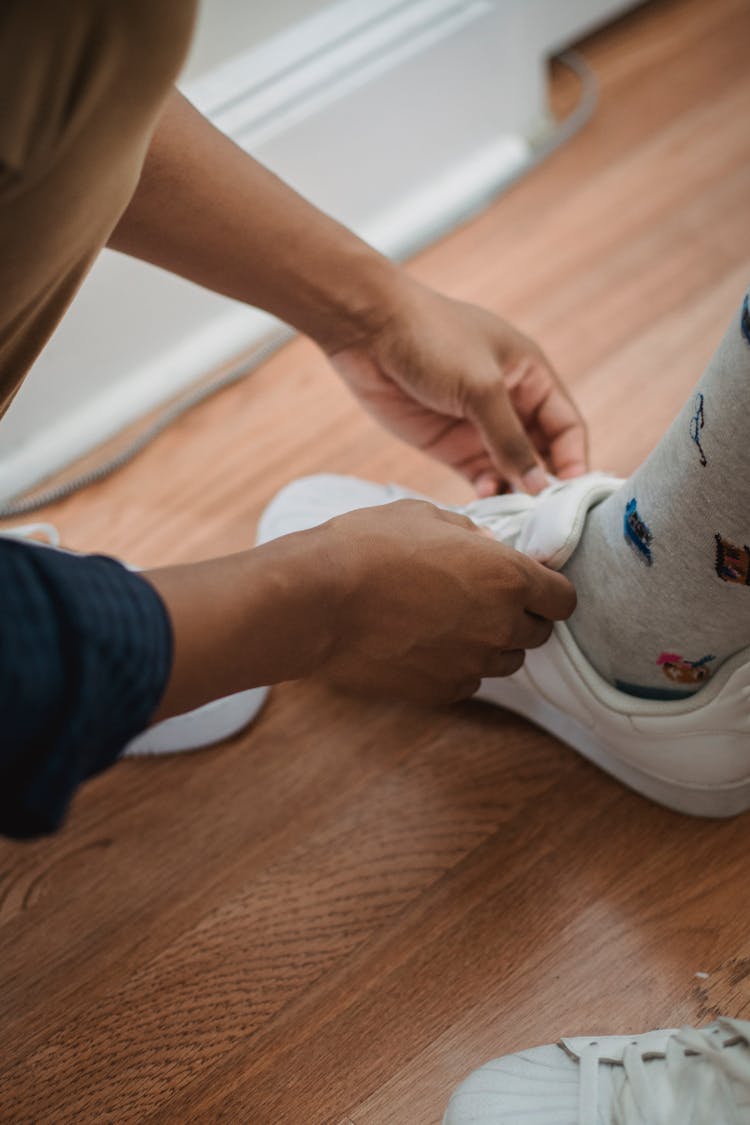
(506, 441)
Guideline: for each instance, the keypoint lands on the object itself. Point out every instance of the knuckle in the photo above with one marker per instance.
(422, 690)
(488, 389)
(414, 506)
(509, 662)
(519, 580)
(523, 574)
(465, 688)
(505, 662)
(463, 521)
(516, 449)
(500, 633)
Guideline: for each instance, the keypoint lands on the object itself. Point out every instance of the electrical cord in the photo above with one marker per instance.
(566, 129)
(40, 498)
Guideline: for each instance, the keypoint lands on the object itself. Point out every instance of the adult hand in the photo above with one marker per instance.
(448, 377)
(423, 605)
(463, 385)
(402, 600)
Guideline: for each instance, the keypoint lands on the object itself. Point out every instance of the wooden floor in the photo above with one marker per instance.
(332, 919)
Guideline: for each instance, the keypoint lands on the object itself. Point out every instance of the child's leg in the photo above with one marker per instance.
(663, 567)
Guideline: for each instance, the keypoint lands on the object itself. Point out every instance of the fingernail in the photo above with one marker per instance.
(534, 480)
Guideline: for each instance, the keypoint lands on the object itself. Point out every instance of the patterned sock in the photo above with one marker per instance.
(663, 567)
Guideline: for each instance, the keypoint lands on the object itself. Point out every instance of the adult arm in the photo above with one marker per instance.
(404, 600)
(446, 376)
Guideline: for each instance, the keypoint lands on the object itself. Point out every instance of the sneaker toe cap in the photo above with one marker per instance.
(535, 1087)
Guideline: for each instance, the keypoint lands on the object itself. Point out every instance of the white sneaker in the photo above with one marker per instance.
(692, 755)
(310, 501)
(671, 1077)
(202, 727)
(192, 730)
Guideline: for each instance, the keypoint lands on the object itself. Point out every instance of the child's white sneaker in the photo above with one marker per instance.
(688, 1077)
(692, 755)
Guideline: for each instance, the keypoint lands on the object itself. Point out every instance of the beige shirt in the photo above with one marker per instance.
(81, 86)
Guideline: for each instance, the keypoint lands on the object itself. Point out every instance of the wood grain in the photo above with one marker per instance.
(331, 919)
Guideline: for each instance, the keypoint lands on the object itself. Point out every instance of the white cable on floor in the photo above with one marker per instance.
(282, 335)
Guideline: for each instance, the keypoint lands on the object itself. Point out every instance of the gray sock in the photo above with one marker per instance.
(663, 567)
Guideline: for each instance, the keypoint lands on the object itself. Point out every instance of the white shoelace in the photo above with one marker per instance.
(699, 1082)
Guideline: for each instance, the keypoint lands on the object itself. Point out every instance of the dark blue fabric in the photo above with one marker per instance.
(85, 652)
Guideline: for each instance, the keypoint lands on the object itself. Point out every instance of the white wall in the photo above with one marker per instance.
(224, 26)
(559, 23)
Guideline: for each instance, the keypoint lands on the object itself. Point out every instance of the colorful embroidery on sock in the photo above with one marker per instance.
(697, 423)
(637, 533)
(745, 319)
(732, 562)
(681, 671)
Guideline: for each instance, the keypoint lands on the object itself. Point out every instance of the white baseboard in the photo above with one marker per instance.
(399, 118)
(119, 404)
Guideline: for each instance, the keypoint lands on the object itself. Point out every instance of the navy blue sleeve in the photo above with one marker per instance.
(85, 653)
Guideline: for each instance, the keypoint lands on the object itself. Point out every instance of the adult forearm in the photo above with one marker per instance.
(206, 210)
(450, 378)
(243, 620)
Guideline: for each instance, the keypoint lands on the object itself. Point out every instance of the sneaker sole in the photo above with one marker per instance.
(520, 695)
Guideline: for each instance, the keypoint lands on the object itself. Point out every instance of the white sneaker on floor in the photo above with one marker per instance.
(310, 501)
(689, 1077)
(692, 754)
(202, 727)
(193, 730)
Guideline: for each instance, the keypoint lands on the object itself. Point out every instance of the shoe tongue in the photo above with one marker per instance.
(653, 1044)
(553, 527)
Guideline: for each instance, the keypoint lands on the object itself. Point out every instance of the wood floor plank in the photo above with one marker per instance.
(141, 883)
(333, 918)
(291, 922)
(514, 925)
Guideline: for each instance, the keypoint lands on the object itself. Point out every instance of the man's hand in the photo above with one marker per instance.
(450, 378)
(461, 384)
(424, 605)
(402, 600)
